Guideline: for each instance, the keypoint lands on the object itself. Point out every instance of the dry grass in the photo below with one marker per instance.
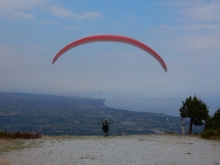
(7, 145)
(20, 135)
(67, 137)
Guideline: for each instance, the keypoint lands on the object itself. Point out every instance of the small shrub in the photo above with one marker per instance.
(20, 135)
(218, 130)
(211, 134)
(171, 133)
(37, 135)
(4, 134)
(16, 135)
(27, 135)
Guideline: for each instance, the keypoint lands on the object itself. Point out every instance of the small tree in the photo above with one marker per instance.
(195, 110)
(213, 123)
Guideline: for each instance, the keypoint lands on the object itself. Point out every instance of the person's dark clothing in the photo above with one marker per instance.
(105, 126)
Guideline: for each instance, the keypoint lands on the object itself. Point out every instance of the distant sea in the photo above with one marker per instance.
(168, 106)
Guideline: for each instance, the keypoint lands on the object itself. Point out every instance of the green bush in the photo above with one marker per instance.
(213, 122)
(195, 133)
(171, 132)
(211, 134)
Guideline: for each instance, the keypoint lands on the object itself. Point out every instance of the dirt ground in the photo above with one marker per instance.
(118, 150)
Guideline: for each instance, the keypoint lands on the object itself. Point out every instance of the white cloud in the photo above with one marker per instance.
(193, 37)
(203, 11)
(203, 29)
(18, 8)
(192, 27)
(46, 22)
(196, 25)
(197, 10)
(61, 12)
(64, 12)
(201, 42)
(11, 49)
(89, 15)
(38, 48)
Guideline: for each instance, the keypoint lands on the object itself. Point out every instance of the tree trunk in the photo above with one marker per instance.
(190, 126)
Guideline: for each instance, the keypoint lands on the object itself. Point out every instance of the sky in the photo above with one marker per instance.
(185, 33)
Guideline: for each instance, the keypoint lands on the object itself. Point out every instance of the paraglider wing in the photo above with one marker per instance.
(112, 38)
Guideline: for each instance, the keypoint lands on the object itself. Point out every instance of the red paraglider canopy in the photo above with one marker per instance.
(112, 38)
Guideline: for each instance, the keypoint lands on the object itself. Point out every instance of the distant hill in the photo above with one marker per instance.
(62, 115)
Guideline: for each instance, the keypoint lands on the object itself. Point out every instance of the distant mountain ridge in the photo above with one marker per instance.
(68, 115)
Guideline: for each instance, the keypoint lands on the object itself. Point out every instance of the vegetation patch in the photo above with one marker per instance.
(211, 134)
(20, 135)
(212, 127)
(7, 145)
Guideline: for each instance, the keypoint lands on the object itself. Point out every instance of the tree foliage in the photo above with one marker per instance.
(213, 123)
(194, 109)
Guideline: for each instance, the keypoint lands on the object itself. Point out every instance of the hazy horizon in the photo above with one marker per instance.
(167, 106)
(184, 33)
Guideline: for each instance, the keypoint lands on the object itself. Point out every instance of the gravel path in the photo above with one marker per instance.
(121, 150)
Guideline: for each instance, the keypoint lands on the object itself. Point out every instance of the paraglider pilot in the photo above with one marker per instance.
(105, 126)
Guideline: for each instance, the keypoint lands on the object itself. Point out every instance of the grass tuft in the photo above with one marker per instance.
(20, 135)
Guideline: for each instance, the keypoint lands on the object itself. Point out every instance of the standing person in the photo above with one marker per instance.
(167, 123)
(183, 127)
(105, 126)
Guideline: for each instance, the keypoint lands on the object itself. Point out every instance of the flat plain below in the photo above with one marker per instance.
(112, 150)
